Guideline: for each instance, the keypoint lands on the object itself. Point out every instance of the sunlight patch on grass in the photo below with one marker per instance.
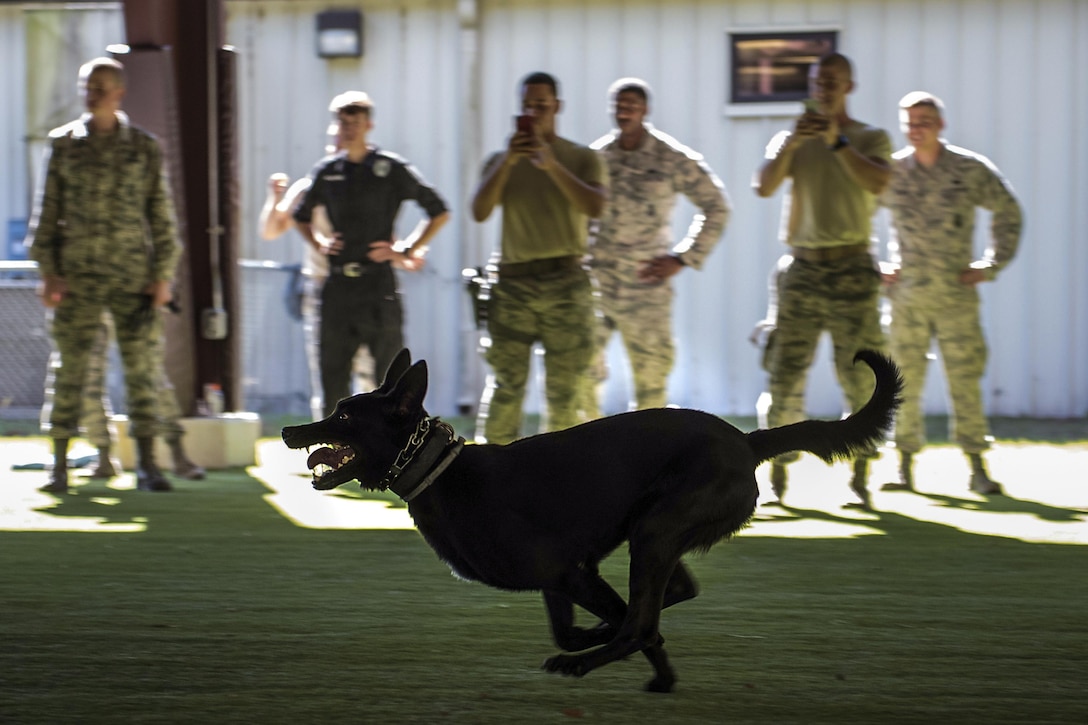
(284, 472)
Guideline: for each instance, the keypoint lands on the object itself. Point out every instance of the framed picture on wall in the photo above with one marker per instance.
(772, 66)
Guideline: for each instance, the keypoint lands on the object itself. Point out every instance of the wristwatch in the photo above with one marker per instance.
(840, 142)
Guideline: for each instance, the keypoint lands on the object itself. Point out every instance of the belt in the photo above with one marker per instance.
(539, 267)
(352, 269)
(828, 254)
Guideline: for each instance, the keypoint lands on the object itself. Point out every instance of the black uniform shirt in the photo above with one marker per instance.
(362, 199)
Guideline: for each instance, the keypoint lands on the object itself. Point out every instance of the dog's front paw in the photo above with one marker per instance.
(571, 665)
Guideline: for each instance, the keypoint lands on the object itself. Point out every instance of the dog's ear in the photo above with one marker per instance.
(396, 368)
(410, 389)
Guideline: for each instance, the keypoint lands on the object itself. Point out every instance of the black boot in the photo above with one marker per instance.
(148, 475)
(980, 480)
(859, 484)
(58, 477)
(906, 474)
(183, 466)
(105, 467)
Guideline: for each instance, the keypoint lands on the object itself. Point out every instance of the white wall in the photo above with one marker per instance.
(1011, 71)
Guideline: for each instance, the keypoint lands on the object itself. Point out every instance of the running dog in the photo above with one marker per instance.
(541, 513)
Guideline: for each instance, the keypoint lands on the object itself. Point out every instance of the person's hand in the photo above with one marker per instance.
(889, 273)
(388, 252)
(52, 290)
(657, 270)
(329, 246)
(277, 184)
(160, 293)
(972, 276)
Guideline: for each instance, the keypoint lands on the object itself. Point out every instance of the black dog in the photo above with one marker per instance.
(542, 512)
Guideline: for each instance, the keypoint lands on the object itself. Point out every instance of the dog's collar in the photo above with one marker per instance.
(421, 461)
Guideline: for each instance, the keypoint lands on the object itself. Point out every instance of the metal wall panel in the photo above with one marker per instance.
(444, 75)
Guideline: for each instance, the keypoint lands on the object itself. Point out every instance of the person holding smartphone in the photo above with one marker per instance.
(549, 188)
(838, 166)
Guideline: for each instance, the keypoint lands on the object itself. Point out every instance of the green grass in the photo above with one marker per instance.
(221, 609)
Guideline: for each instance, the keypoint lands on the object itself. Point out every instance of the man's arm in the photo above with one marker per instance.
(489, 192)
(706, 191)
(996, 194)
(777, 166)
(871, 173)
(588, 197)
(162, 224)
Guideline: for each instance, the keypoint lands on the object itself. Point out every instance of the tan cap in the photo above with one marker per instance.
(346, 99)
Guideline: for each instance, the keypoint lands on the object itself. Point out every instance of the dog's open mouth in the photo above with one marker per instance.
(326, 461)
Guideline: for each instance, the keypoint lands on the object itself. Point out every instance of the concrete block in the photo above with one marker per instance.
(222, 441)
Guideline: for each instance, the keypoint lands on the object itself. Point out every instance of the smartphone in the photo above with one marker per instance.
(812, 105)
(523, 123)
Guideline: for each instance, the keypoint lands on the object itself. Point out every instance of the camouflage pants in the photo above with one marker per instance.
(958, 331)
(642, 315)
(555, 310)
(96, 410)
(79, 336)
(840, 297)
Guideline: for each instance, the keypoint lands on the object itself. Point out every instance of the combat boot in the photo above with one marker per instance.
(183, 465)
(105, 467)
(778, 480)
(980, 480)
(906, 474)
(148, 475)
(58, 476)
(859, 484)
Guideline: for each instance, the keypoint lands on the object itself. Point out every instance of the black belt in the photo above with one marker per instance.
(353, 269)
(538, 267)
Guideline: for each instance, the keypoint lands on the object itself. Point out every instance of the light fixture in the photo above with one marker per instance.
(340, 34)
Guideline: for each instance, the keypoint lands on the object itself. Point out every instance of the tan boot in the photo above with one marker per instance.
(906, 475)
(980, 480)
(183, 466)
(105, 467)
(859, 484)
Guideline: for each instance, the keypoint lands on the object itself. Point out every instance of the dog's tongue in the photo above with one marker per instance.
(331, 457)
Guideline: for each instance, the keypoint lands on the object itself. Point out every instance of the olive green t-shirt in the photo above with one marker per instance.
(825, 207)
(538, 221)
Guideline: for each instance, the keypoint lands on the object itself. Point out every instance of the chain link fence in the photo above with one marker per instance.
(274, 375)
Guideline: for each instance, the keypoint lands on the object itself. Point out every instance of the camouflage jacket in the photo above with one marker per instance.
(103, 208)
(933, 217)
(636, 224)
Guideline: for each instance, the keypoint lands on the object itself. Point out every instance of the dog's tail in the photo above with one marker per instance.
(842, 438)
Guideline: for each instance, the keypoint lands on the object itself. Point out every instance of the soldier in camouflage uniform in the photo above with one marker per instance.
(633, 255)
(933, 195)
(838, 166)
(548, 188)
(104, 236)
(97, 411)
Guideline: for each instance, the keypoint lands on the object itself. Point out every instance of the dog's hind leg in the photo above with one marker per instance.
(681, 586)
(566, 634)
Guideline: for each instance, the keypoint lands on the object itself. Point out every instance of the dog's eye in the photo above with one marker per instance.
(344, 416)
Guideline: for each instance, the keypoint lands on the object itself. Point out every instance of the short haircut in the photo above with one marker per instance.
(541, 78)
(915, 99)
(630, 85)
(840, 61)
(102, 64)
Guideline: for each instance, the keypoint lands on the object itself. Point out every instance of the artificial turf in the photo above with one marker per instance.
(212, 604)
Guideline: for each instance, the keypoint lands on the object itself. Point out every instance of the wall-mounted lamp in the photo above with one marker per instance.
(340, 34)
